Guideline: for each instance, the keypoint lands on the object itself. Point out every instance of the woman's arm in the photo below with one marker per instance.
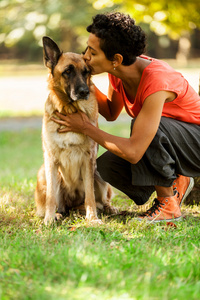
(111, 106)
(144, 129)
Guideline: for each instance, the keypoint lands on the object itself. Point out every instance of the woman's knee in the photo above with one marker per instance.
(103, 166)
(114, 169)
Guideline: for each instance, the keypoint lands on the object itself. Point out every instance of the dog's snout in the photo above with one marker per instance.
(83, 91)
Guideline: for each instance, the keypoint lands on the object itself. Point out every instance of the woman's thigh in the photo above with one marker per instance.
(118, 173)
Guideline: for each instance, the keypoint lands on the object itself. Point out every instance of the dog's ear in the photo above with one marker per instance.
(51, 53)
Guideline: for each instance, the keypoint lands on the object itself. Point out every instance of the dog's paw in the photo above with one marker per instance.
(70, 109)
(97, 221)
(50, 219)
(94, 221)
(111, 210)
(58, 217)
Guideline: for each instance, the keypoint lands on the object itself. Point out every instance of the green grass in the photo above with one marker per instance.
(23, 114)
(120, 259)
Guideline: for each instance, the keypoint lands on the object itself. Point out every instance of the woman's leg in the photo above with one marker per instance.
(174, 150)
(117, 172)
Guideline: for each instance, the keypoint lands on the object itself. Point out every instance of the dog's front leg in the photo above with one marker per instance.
(51, 171)
(90, 204)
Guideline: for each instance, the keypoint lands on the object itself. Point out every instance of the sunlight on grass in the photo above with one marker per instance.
(121, 259)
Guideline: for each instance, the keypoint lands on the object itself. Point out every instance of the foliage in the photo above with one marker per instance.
(72, 260)
(164, 17)
(24, 22)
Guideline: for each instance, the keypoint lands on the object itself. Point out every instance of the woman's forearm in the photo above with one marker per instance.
(110, 110)
(122, 147)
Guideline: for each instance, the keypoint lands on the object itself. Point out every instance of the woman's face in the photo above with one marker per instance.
(95, 57)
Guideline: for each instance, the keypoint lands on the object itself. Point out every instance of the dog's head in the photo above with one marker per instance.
(69, 73)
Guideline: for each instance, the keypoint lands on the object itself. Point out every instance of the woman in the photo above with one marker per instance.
(163, 151)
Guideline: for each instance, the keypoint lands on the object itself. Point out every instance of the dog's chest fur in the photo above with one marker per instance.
(68, 149)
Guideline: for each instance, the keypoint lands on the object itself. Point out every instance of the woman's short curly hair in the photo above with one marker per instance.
(118, 34)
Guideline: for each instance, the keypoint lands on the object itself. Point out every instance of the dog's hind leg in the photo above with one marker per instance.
(103, 195)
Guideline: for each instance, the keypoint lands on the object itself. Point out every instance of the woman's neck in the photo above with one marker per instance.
(131, 75)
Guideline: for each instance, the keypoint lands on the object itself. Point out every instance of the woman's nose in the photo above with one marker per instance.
(86, 55)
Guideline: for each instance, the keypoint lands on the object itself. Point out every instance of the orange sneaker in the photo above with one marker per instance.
(183, 185)
(164, 209)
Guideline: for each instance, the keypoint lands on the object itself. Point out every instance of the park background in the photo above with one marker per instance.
(120, 259)
(173, 31)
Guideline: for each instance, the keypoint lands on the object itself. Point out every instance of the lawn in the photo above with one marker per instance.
(121, 259)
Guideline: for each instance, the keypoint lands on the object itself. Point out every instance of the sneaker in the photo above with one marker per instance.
(164, 209)
(183, 185)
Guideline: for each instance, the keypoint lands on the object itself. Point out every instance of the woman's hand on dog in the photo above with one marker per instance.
(75, 122)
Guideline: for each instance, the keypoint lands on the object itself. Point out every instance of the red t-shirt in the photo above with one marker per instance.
(159, 76)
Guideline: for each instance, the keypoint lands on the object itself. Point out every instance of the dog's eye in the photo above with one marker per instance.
(68, 70)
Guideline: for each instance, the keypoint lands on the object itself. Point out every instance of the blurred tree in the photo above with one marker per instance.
(174, 19)
(164, 16)
(24, 22)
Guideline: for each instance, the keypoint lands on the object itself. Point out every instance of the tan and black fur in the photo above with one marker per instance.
(68, 177)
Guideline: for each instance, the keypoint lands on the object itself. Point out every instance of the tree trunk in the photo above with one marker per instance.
(194, 196)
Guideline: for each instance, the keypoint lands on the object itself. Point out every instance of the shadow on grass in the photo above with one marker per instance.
(17, 210)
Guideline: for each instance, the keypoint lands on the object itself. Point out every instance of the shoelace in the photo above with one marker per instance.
(156, 205)
(175, 187)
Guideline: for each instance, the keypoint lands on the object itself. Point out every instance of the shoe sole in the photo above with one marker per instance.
(159, 221)
(189, 189)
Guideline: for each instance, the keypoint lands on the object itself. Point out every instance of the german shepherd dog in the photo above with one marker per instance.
(68, 179)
